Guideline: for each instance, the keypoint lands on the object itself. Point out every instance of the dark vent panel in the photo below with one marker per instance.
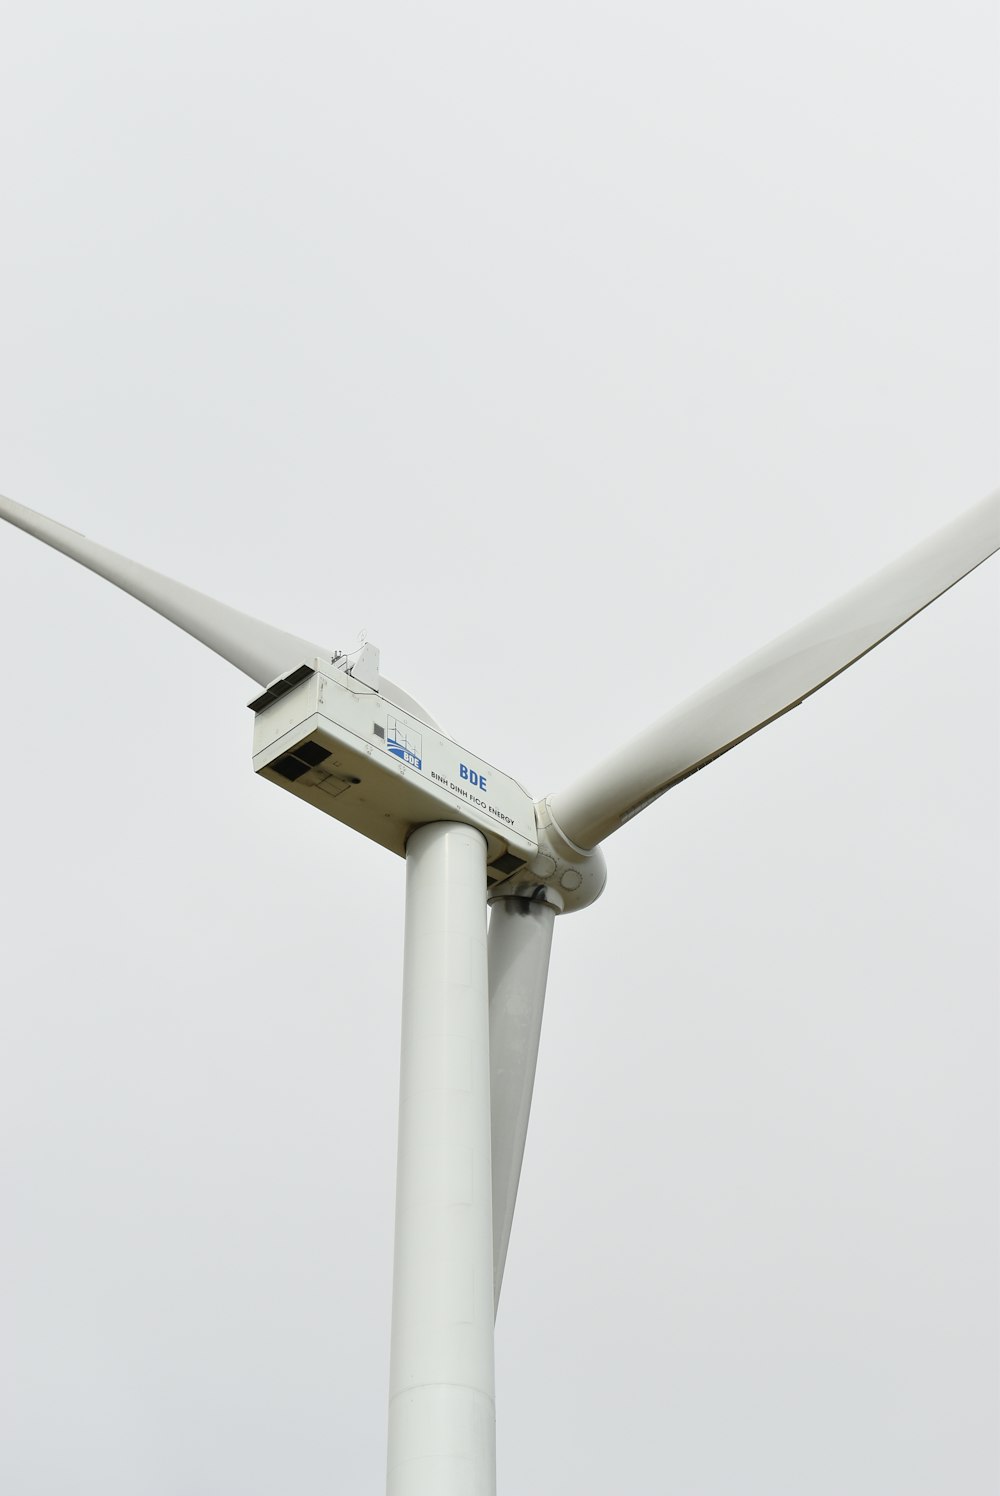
(289, 767)
(278, 688)
(311, 753)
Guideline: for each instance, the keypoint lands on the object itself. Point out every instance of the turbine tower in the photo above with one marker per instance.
(332, 730)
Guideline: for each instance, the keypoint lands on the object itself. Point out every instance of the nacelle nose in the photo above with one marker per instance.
(561, 873)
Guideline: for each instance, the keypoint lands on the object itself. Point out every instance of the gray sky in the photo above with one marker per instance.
(572, 352)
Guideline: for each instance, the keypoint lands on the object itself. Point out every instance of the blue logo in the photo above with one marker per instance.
(478, 781)
(405, 744)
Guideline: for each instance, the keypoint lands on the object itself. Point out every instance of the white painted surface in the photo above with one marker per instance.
(520, 942)
(260, 651)
(407, 773)
(777, 677)
(442, 1435)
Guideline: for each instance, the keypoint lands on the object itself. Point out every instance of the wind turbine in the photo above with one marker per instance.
(333, 731)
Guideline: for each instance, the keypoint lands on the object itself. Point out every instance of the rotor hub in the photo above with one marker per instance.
(561, 874)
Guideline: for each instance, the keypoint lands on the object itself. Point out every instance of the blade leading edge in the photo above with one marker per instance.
(520, 940)
(772, 681)
(260, 651)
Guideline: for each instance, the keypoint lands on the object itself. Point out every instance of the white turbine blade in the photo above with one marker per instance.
(772, 681)
(520, 939)
(260, 651)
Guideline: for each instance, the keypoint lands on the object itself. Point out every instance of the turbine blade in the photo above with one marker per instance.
(520, 939)
(260, 651)
(772, 681)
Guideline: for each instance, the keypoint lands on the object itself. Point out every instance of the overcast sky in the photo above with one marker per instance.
(571, 352)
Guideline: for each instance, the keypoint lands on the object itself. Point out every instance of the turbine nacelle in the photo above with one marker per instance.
(333, 734)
